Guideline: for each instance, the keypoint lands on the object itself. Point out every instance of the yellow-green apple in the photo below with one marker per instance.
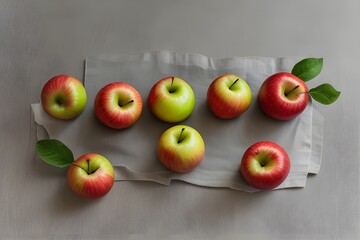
(118, 105)
(181, 148)
(284, 95)
(63, 97)
(171, 99)
(228, 96)
(91, 176)
(265, 165)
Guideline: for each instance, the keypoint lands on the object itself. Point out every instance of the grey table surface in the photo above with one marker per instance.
(40, 39)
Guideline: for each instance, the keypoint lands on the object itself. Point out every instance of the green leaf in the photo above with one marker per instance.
(325, 94)
(54, 152)
(308, 68)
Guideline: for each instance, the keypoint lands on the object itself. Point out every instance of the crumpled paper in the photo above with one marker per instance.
(132, 151)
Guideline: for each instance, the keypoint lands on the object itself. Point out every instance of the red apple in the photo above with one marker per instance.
(63, 97)
(228, 96)
(118, 105)
(265, 165)
(283, 96)
(91, 176)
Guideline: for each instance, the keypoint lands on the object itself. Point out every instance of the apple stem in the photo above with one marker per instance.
(179, 140)
(172, 81)
(88, 171)
(287, 93)
(88, 163)
(233, 83)
(126, 103)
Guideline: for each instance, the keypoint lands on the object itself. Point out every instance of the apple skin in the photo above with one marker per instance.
(118, 105)
(91, 185)
(63, 97)
(181, 148)
(171, 99)
(275, 102)
(265, 165)
(228, 96)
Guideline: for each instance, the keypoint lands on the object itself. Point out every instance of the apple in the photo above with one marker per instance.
(284, 95)
(118, 105)
(265, 165)
(171, 99)
(63, 97)
(181, 148)
(228, 96)
(90, 176)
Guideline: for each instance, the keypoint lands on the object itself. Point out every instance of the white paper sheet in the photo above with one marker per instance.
(133, 151)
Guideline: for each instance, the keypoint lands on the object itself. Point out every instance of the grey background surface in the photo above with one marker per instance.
(40, 39)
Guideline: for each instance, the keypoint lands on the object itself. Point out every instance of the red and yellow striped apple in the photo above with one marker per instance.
(181, 148)
(283, 96)
(63, 97)
(228, 96)
(90, 176)
(118, 105)
(265, 165)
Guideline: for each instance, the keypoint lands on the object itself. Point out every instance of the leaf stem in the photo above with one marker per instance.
(88, 171)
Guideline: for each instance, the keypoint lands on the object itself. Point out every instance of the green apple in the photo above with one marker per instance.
(181, 148)
(171, 99)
